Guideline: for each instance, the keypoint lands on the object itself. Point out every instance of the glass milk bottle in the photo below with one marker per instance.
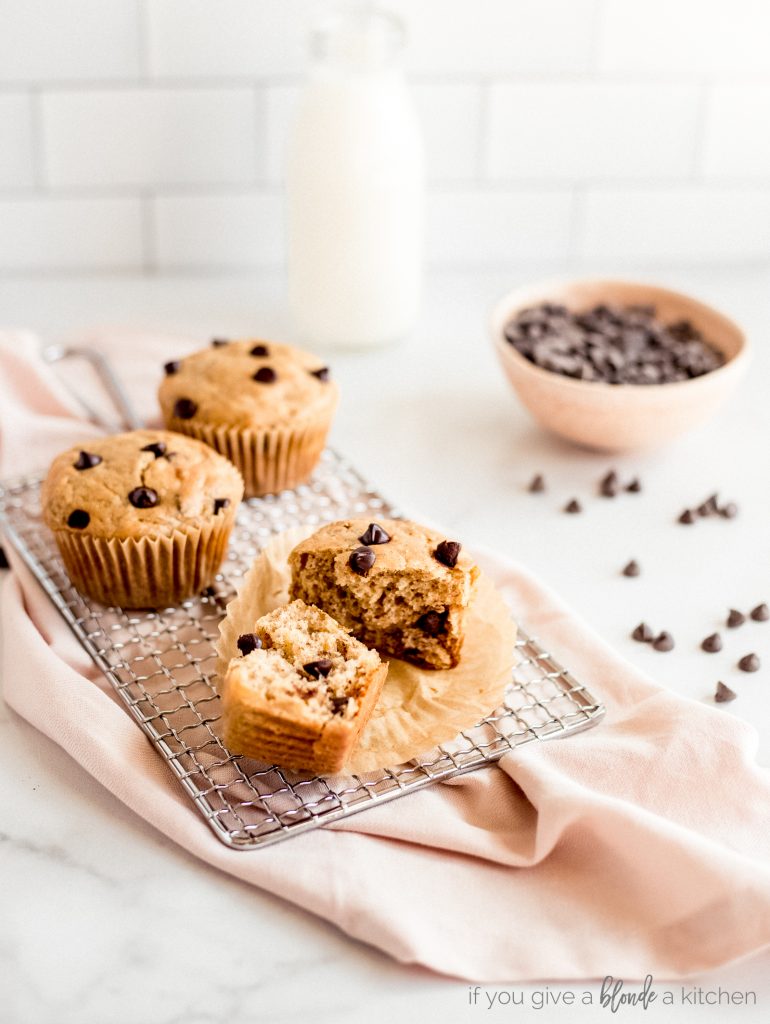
(355, 187)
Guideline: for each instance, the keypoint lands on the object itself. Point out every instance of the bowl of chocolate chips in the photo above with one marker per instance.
(617, 365)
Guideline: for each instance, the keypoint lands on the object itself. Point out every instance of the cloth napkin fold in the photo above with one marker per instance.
(639, 846)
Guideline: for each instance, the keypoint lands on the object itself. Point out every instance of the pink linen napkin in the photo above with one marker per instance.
(640, 846)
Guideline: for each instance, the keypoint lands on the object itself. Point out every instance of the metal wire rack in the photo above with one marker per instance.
(161, 664)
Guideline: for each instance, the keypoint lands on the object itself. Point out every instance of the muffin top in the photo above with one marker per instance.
(147, 483)
(253, 383)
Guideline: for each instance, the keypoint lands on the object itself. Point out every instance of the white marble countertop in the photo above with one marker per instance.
(106, 920)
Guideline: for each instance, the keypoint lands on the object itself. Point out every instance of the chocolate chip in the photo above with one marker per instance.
(248, 642)
(339, 705)
(687, 517)
(447, 553)
(185, 409)
(761, 613)
(634, 486)
(158, 448)
(78, 519)
(573, 507)
(537, 486)
(374, 534)
(432, 623)
(724, 694)
(143, 497)
(632, 569)
(643, 633)
(361, 560)
(322, 373)
(663, 642)
(259, 350)
(265, 375)
(729, 511)
(735, 618)
(608, 486)
(172, 367)
(3, 560)
(749, 663)
(87, 460)
(219, 342)
(712, 643)
(316, 669)
(219, 504)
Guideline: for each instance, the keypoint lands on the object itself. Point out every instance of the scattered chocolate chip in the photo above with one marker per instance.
(749, 663)
(608, 485)
(663, 642)
(78, 519)
(361, 560)
(573, 507)
(687, 517)
(634, 486)
(248, 642)
(259, 350)
(735, 618)
(87, 460)
(143, 497)
(729, 511)
(316, 669)
(339, 705)
(643, 633)
(537, 486)
(158, 448)
(209, 592)
(712, 643)
(3, 560)
(322, 373)
(172, 367)
(219, 342)
(724, 694)
(761, 613)
(611, 344)
(374, 534)
(432, 623)
(265, 375)
(447, 553)
(185, 409)
(219, 504)
(632, 569)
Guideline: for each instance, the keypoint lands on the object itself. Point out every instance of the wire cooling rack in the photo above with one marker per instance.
(161, 665)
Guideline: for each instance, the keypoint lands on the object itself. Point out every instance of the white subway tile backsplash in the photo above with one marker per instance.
(229, 37)
(738, 132)
(498, 37)
(466, 226)
(71, 234)
(555, 130)
(151, 137)
(16, 158)
(685, 36)
(219, 232)
(449, 114)
(47, 40)
(697, 224)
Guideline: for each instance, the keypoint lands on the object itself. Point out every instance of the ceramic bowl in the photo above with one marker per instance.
(616, 417)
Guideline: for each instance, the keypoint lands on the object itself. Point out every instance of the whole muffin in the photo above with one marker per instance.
(141, 519)
(267, 407)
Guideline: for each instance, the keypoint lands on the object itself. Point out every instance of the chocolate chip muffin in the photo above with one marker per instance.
(141, 519)
(300, 691)
(267, 407)
(398, 586)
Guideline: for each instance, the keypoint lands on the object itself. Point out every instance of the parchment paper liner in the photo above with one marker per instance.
(418, 708)
(269, 460)
(146, 572)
